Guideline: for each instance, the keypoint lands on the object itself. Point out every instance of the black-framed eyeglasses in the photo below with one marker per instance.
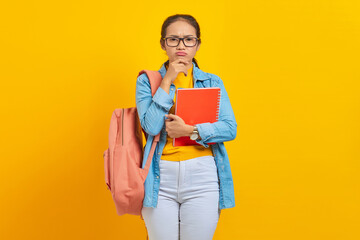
(187, 41)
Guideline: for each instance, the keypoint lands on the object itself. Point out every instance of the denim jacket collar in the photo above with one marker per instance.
(198, 74)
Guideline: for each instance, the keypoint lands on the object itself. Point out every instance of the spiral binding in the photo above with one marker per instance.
(218, 106)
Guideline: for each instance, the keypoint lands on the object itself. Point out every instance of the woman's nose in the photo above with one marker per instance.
(181, 45)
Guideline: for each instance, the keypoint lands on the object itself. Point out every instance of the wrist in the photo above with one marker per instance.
(167, 80)
(189, 130)
(194, 133)
(165, 83)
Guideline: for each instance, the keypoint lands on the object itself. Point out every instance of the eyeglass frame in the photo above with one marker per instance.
(181, 39)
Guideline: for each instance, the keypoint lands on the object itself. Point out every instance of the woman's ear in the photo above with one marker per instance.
(198, 47)
(162, 45)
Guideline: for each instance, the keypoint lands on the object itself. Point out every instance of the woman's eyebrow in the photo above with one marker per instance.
(184, 35)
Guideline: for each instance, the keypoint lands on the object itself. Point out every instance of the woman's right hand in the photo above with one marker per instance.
(176, 67)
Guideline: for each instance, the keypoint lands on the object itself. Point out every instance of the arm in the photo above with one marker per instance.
(151, 109)
(223, 130)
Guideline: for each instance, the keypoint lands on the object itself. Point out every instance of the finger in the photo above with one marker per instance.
(178, 118)
(183, 61)
(167, 116)
(171, 115)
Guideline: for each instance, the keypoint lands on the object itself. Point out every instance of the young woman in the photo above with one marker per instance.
(187, 186)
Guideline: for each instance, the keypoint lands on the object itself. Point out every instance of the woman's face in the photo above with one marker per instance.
(180, 29)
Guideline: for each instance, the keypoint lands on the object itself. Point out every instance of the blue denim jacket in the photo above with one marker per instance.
(152, 110)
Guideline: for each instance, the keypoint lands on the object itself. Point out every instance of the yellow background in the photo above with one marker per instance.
(291, 69)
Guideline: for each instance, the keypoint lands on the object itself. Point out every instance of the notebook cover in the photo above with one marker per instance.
(194, 106)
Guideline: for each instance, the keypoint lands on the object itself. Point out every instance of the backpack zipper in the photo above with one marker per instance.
(122, 129)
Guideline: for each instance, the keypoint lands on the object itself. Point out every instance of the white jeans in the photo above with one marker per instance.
(188, 202)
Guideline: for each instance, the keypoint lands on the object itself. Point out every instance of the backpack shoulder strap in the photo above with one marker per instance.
(155, 79)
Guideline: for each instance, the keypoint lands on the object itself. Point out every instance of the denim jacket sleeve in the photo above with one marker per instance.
(151, 109)
(225, 128)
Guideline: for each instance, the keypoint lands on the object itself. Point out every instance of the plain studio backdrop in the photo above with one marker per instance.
(291, 69)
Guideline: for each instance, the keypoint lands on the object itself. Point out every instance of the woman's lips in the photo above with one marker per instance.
(181, 53)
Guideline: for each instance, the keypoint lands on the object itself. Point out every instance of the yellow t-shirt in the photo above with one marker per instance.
(181, 153)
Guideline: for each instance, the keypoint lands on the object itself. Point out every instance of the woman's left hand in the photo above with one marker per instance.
(176, 127)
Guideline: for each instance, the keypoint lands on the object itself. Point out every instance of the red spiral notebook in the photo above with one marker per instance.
(194, 106)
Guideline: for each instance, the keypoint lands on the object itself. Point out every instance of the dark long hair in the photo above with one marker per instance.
(184, 17)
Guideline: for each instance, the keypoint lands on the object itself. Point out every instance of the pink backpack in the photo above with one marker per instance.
(124, 174)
